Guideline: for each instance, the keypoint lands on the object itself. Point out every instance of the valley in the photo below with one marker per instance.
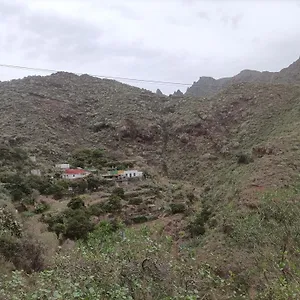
(215, 217)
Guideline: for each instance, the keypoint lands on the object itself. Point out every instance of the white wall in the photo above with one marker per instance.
(74, 176)
(63, 166)
(133, 173)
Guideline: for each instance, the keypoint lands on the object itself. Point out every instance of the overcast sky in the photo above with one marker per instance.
(168, 40)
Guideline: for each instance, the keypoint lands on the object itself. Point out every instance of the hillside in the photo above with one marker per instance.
(181, 137)
(220, 209)
(208, 86)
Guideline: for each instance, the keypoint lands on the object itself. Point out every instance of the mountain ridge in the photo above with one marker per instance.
(208, 86)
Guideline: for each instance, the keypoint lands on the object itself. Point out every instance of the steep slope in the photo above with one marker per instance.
(245, 118)
(184, 138)
(208, 86)
(231, 148)
(55, 114)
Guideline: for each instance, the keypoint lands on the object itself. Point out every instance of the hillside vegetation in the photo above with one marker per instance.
(216, 217)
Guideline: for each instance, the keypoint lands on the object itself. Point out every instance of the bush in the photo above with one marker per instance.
(72, 223)
(39, 183)
(191, 197)
(197, 226)
(93, 183)
(79, 186)
(41, 207)
(119, 192)
(96, 209)
(139, 219)
(76, 203)
(56, 190)
(135, 201)
(177, 208)
(17, 186)
(78, 225)
(9, 224)
(113, 204)
(25, 253)
(244, 158)
(84, 158)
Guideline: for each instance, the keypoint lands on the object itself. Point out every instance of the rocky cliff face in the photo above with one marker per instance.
(159, 92)
(208, 86)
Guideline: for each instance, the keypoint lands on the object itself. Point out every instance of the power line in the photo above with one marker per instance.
(99, 76)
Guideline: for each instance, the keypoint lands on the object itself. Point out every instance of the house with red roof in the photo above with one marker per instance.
(75, 173)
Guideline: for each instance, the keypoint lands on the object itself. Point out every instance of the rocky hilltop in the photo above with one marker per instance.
(208, 86)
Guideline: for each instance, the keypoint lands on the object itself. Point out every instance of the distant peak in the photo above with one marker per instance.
(178, 93)
(159, 92)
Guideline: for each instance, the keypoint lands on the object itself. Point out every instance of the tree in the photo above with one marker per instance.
(92, 183)
(119, 192)
(76, 203)
(79, 186)
(113, 204)
(78, 225)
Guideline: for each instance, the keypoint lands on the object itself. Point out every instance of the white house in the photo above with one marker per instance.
(132, 173)
(62, 166)
(75, 173)
(125, 175)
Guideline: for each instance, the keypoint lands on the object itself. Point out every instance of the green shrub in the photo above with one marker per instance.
(96, 209)
(139, 219)
(119, 192)
(77, 224)
(17, 186)
(135, 201)
(72, 223)
(79, 186)
(85, 158)
(56, 190)
(25, 253)
(191, 197)
(93, 183)
(9, 224)
(197, 226)
(41, 207)
(177, 208)
(113, 204)
(76, 203)
(38, 183)
(244, 158)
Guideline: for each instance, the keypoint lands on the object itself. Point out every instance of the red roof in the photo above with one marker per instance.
(75, 171)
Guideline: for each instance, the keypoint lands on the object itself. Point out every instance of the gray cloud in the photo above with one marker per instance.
(8, 9)
(233, 21)
(59, 38)
(125, 11)
(172, 40)
(203, 15)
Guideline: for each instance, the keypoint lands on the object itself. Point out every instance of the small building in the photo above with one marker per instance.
(132, 173)
(36, 172)
(62, 166)
(75, 173)
(122, 175)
